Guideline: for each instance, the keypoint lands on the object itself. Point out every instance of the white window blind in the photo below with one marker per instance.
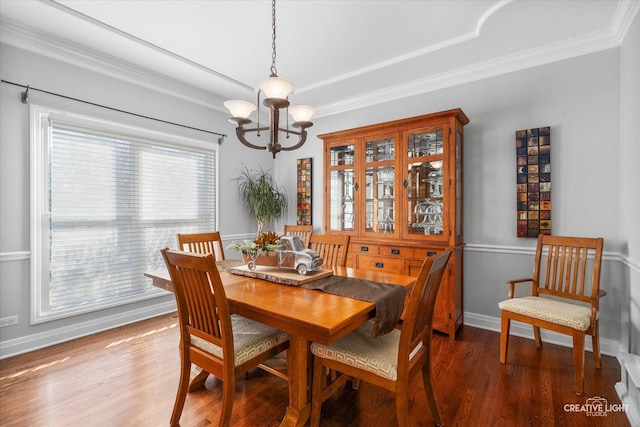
(110, 202)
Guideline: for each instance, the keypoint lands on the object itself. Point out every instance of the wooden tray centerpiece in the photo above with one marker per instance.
(283, 276)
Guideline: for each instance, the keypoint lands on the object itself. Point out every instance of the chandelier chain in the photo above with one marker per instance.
(274, 72)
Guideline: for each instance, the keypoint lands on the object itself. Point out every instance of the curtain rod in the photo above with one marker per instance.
(25, 100)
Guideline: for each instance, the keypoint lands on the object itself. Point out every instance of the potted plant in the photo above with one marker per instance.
(262, 196)
(261, 251)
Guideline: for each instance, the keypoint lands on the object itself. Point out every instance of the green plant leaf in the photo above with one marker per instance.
(261, 195)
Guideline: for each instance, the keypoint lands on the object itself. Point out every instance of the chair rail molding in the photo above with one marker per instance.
(519, 250)
(15, 256)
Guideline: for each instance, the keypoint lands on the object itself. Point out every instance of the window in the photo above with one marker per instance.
(105, 199)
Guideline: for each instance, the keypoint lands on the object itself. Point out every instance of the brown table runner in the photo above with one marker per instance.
(389, 299)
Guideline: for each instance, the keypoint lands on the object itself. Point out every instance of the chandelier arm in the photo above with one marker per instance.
(287, 130)
(301, 140)
(258, 129)
(240, 131)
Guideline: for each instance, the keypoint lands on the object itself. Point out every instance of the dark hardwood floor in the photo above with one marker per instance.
(128, 377)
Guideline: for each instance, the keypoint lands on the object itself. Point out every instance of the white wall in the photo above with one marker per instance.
(629, 386)
(629, 171)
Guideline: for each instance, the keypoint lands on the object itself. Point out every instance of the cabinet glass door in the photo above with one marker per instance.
(342, 181)
(380, 183)
(424, 185)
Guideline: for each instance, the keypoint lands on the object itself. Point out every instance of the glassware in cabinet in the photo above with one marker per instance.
(380, 182)
(424, 183)
(342, 188)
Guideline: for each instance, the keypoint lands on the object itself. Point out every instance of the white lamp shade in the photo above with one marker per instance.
(275, 87)
(240, 108)
(301, 113)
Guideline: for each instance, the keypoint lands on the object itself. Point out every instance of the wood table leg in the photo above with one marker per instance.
(299, 409)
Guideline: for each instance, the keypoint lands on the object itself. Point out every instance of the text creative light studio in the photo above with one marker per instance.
(595, 407)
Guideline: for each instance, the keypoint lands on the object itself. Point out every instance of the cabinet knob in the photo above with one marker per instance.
(379, 264)
(431, 253)
(355, 186)
(364, 248)
(405, 183)
(395, 251)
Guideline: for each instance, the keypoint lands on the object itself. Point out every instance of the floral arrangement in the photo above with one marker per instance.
(264, 242)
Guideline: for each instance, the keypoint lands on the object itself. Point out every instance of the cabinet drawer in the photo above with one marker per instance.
(388, 264)
(363, 248)
(422, 253)
(397, 251)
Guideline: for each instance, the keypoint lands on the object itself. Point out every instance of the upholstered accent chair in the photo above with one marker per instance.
(302, 231)
(202, 243)
(390, 361)
(220, 343)
(565, 294)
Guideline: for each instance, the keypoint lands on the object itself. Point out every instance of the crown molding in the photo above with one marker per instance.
(411, 55)
(72, 53)
(550, 53)
(75, 54)
(625, 14)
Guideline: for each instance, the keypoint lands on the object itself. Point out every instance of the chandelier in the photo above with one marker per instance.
(276, 92)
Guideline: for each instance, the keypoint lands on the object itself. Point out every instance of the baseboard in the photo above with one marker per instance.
(40, 340)
(631, 405)
(629, 387)
(607, 346)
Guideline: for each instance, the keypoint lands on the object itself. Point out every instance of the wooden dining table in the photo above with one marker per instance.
(305, 314)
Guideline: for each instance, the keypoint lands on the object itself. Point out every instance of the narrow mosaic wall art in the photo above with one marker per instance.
(533, 159)
(304, 191)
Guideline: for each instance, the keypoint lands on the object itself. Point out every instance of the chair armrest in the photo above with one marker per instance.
(514, 282)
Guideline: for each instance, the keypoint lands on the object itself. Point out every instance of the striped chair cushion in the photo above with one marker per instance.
(558, 312)
(249, 339)
(377, 355)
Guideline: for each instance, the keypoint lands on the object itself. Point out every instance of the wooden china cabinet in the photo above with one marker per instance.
(396, 189)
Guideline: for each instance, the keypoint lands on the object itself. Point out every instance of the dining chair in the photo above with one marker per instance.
(302, 231)
(565, 295)
(390, 361)
(222, 344)
(332, 248)
(202, 243)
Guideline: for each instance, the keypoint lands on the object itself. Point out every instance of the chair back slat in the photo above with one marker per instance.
(418, 323)
(567, 260)
(202, 243)
(332, 248)
(302, 231)
(202, 304)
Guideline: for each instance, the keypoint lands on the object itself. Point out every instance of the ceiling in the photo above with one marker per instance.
(340, 54)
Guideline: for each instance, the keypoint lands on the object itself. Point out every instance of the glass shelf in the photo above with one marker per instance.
(425, 144)
(342, 200)
(426, 197)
